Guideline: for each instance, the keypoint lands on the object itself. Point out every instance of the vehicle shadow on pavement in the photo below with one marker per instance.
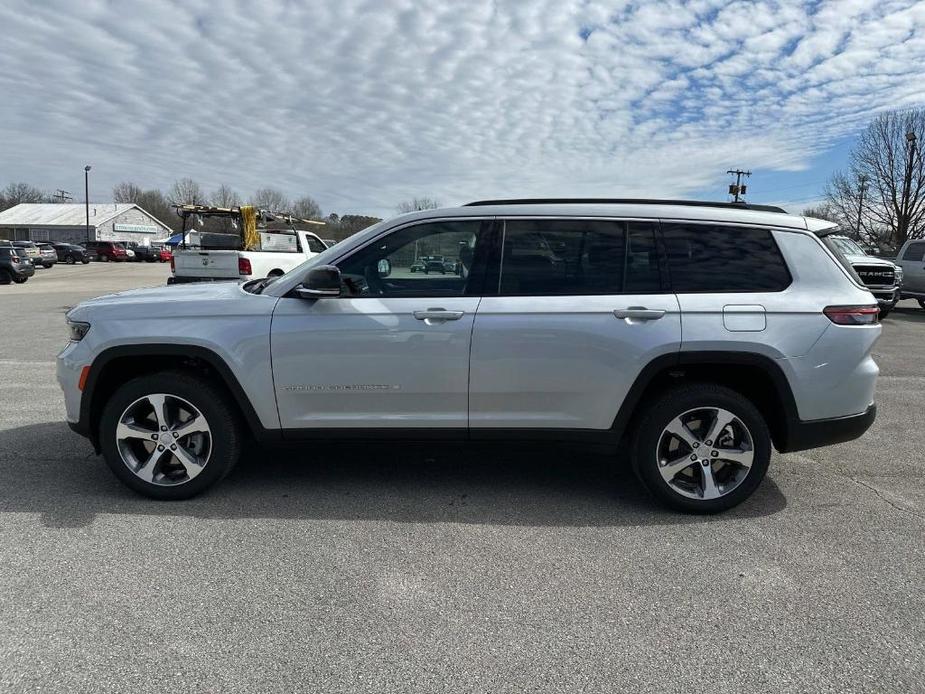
(47, 469)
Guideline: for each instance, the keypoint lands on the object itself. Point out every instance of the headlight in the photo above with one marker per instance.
(899, 273)
(77, 330)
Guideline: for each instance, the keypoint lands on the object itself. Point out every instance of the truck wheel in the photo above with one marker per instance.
(169, 435)
(701, 448)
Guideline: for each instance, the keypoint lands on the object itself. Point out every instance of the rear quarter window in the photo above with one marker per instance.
(715, 258)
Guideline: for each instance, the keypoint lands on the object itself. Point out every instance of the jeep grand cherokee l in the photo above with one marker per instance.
(691, 337)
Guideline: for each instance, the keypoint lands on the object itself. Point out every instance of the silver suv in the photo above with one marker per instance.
(692, 337)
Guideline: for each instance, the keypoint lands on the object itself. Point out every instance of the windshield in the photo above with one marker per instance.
(847, 246)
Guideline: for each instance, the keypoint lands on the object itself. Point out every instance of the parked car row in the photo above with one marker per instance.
(19, 259)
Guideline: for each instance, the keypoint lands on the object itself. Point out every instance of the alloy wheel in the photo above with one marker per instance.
(705, 453)
(163, 439)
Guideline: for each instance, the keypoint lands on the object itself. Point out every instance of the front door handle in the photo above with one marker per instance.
(436, 315)
(639, 313)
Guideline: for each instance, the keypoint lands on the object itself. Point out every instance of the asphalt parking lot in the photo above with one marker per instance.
(388, 567)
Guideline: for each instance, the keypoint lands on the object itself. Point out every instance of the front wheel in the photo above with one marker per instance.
(85, 261)
(922, 303)
(169, 435)
(20, 280)
(701, 448)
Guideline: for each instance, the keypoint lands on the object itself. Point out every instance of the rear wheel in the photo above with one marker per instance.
(169, 435)
(104, 258)
(701, 448)
(69, 260)
(922, 303)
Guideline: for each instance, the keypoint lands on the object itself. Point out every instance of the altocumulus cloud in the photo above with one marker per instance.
(363, 104)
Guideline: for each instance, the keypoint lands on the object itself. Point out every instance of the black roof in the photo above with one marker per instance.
(626, 201)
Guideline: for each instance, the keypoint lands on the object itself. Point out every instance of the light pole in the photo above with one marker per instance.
(87, 197)
(903, 226)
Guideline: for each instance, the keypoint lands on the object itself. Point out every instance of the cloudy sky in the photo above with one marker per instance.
(365, 103)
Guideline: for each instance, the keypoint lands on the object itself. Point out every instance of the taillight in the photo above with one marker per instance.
(852, 315)
(244, 266)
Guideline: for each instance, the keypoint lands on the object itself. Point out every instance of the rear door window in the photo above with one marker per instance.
(708, 258)
(574, 257)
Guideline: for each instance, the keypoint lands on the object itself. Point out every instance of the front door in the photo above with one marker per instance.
(580, 308)
(393, 351)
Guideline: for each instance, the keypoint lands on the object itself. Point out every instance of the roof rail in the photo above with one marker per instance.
(626, 201)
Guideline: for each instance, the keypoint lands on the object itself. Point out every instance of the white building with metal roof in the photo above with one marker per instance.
(67, 222)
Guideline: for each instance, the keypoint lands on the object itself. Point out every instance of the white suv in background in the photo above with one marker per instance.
(692, 337)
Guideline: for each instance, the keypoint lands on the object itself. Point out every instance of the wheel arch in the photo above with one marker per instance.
(117, 365)
(754, 375)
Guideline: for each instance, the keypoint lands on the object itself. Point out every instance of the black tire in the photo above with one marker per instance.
(212, 403)
(104, 258)
(673, 403)
(5, 277)
(85, 261)
(922, 303)
(69, 260)
(20, 280)
(884, 312)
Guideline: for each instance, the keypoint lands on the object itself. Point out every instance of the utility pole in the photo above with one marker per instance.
(738, 188)
(87, 197)
(862, 181)
(62, 196)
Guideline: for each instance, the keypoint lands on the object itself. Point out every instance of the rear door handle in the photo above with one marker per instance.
(639, 313)
(438, 314)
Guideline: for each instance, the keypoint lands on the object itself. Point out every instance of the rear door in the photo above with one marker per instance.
(913, 265)
(580, 306)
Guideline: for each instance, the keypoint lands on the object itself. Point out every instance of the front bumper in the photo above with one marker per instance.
(804, 435)
(886, 297)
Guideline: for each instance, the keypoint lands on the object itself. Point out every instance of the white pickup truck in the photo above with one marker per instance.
(279, 252)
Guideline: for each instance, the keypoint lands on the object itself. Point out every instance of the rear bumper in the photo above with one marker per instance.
(815, 433)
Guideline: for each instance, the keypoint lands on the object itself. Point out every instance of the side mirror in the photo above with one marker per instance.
(320, 282)
(384, 267)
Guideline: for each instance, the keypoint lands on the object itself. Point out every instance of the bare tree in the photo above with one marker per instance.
(154, 203)
(225, 196)
(270, 199)
(126, 192)
(306, 207)
(882, 194)
(824, 211)
(416, 204)
(186, 192)
(16, 193)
